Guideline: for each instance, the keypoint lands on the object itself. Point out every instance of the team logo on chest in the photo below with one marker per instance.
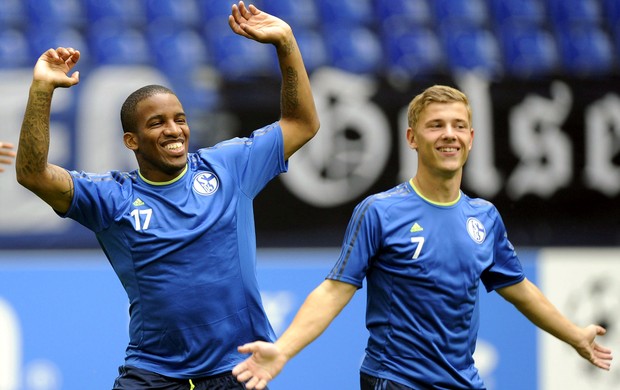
(205, 183)
(476, 230)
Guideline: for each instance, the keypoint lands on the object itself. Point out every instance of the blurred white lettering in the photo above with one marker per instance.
(480, 170)
(352, 148)
(11, 347)
(20, 209)
(602, 143)
(544, 151)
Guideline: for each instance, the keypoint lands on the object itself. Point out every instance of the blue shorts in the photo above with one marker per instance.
(132, 378)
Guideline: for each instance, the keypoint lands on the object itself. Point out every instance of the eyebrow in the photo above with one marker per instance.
(441, 120)
(162, 116)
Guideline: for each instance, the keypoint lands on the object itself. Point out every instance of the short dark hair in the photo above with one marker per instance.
(128, 110)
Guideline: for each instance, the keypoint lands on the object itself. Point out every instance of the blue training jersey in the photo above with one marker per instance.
(185, 252)
(423, 262)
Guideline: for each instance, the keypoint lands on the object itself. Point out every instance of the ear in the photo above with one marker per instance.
(411, 140)
(471, 139)
(130, 140)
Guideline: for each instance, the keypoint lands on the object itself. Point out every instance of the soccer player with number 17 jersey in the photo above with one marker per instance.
(179, 230)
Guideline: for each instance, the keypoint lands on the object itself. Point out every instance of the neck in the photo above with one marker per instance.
(440, 190)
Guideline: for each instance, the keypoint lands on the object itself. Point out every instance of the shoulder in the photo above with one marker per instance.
(386, 199)
(480, 206)
(477, 202)
(117, 177)
(272, 129)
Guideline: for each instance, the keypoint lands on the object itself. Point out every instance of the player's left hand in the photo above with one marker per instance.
(255, 24)
(593, 352)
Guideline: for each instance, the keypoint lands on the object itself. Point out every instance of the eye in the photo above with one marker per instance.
(436, 125)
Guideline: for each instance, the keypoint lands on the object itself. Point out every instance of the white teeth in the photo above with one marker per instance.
(448, 149)
(176, 145)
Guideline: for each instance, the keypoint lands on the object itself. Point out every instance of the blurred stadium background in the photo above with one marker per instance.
(543, 77)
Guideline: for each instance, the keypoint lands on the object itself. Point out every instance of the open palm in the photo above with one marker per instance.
(255, 24)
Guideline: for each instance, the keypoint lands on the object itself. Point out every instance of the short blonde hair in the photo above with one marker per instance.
(435, 94)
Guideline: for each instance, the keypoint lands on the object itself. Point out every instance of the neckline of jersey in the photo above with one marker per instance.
(442, 204)
(164, 183)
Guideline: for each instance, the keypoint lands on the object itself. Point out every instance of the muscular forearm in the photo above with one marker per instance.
(50, 182)
(314, 316)
(295, 83)
(297, 106)
(33, 147)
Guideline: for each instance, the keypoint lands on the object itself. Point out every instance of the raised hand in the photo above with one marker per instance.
(255, 24)
(54, 65)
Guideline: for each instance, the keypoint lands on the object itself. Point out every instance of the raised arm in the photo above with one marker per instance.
(299, 119)
(6, 154)
(51, 183)
(530, 301)
(314, 316)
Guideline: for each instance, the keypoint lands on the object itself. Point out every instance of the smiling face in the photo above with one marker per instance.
(443, 138)
(161, 137)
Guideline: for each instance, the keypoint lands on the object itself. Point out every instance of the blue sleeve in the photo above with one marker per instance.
(361, 243)
(506, 268)
(254, 160)
(96, 199)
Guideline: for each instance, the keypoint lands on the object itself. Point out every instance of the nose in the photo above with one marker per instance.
(173, 129)
(450, 132)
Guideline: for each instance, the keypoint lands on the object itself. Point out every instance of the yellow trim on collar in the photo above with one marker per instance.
(432, 201)
(163, 183)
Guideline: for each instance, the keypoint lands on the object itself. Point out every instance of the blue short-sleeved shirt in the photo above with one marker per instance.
(423, 262)
(185, 252)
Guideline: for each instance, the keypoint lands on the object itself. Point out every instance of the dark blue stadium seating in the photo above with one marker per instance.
(471, 48)
(530, 51)
(111, 43)
(214, 10)
(413, 52)
(345, 12)
(298, 13)
(66, 13)
(568, 12)
(522, 12)
(586, 51)
(355, 49)
(397, 13)
(127, 12)
(14, 49)
(178, 50)
(470, 12)
(237, 58)
(43, 37)
(13, 13)
(611, 13)
(515, 38)
(312, 46)
(184, 13)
